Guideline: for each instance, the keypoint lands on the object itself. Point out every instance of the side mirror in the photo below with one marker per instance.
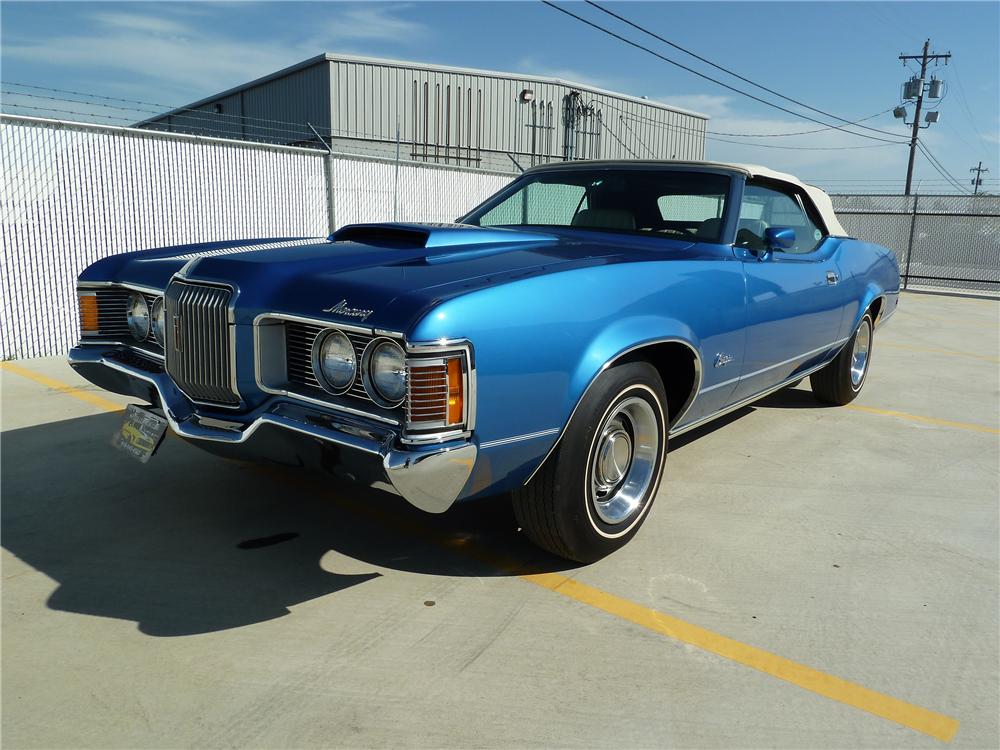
(779, 238)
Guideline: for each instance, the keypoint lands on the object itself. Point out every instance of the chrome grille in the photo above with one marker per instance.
(199, 342)
(299, 340)
(112, 320)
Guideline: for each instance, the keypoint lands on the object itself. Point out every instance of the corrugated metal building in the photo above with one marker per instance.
(446, 115)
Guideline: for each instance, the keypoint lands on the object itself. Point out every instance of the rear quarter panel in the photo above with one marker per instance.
(869, 271)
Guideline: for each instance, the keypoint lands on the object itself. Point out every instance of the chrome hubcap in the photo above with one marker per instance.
(623, 465)
(859, 357)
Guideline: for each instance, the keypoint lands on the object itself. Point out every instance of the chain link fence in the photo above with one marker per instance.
(74, 193)
(940, 241)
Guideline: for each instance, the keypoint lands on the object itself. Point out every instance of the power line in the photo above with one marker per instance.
(676, 46)
(171, 109)
(654, 121)
(620, 141)
(939, 168)
(636, 136)
(707, 77)
(669, 126)
(229, 124)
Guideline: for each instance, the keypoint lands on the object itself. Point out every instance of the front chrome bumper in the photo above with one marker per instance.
(430, 478)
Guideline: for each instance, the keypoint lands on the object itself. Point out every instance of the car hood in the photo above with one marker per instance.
(384, 275)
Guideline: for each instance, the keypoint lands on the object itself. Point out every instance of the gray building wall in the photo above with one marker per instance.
(444, 115)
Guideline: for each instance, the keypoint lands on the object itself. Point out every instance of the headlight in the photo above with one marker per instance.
(385, 372)
(334, 362)
(137, 313)
(158, 321)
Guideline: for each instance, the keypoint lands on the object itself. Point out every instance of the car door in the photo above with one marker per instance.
(794, 298)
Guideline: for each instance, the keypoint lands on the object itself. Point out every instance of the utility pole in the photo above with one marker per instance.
(978, 180)
(919, 85)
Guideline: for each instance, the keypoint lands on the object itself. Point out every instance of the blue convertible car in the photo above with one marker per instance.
(545, 346)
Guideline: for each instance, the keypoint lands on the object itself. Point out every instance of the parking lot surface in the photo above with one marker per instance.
(809, 577)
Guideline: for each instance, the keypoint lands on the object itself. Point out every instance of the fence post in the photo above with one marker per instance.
(331, 217)
(909, 247)
(395, 180)
(331, 212)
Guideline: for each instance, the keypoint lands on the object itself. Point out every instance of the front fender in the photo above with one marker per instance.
(534, 362)
(619, 338)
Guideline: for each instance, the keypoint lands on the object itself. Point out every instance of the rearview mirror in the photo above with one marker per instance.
(779, 238)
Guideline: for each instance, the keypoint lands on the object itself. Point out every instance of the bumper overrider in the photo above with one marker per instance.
(429, 477)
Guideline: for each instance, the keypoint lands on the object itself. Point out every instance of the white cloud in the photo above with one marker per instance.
(707, 104)
(532, 66)
(195, 55)
(139, 22)
(374, 23)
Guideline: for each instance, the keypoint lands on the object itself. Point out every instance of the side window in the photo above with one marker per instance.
(765, 207)
(692, 215)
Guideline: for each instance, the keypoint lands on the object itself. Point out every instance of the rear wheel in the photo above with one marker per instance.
(594, 492)
(842, 380)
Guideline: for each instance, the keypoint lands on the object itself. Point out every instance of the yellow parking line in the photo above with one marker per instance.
(57, 385)
(922, 720)
(926, 420)
(932, 350)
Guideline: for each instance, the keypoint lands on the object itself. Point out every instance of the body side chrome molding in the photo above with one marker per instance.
(771, 367)
(518, 438)
(698, 374)
(748, 400)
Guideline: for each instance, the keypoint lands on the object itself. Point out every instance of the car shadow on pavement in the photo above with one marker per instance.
(792, 398)
(191, 543)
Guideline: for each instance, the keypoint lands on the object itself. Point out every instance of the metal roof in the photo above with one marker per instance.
(331, 57)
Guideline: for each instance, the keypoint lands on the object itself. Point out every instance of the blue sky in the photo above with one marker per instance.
(840, 57)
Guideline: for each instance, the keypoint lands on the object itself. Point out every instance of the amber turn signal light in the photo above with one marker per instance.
(456, 395)
(89, 322)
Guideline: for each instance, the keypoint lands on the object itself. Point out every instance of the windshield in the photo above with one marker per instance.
(670, 202)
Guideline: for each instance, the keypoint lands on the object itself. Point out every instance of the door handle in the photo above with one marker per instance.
(832, 278)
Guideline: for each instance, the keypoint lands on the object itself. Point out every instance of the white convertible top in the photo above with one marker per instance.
(819, 198)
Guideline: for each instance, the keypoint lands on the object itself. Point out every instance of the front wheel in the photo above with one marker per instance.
(594, 492)
(842, 380)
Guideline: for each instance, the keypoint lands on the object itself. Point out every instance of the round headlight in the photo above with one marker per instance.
(385, 372)
(335, 362)
(137, 314)
(158, 321)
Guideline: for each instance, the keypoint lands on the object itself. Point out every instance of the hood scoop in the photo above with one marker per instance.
(402, 235)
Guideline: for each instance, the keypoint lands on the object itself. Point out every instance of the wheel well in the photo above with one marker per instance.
(875, 307)
(676, 364)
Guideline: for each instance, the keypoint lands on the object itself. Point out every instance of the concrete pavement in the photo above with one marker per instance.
(195, 602)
